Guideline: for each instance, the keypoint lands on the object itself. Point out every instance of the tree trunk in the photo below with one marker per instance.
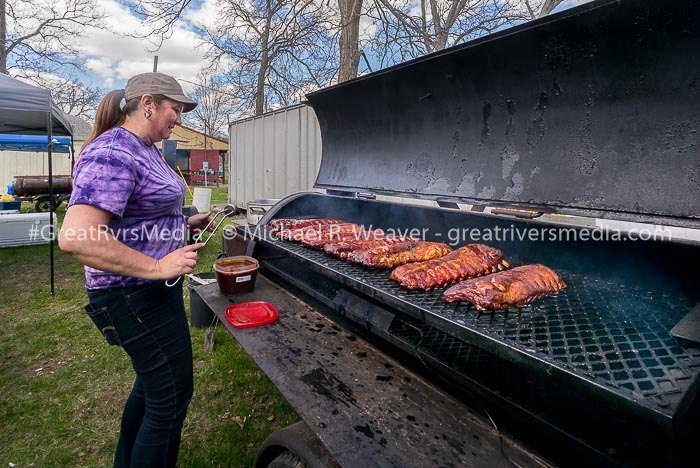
(423, 32)
(260, 84)
(350, 13)
(264, 62)
(548, 6)
(3, 39)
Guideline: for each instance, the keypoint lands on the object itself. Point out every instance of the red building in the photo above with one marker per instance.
(200, 157)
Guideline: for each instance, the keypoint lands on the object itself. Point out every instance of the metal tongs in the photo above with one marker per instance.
(226, 211)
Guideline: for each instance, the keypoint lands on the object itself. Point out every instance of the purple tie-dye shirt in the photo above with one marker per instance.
(120, 173)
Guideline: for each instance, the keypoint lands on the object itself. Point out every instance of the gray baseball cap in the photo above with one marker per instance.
(157, 83)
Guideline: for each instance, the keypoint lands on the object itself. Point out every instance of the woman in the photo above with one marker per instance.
(125, 224)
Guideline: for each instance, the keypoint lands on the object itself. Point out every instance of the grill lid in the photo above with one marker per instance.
(590, 112)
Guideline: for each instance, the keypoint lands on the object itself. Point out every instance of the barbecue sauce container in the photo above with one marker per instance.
(236, 275)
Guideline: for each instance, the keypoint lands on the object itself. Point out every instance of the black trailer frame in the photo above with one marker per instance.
(365, 407)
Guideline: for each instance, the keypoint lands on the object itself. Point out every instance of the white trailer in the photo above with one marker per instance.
(273, 155)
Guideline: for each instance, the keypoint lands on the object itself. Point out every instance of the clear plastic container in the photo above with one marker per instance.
(236, 274)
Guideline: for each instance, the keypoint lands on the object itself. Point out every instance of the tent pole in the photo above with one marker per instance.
(72, 156)
(49, 126)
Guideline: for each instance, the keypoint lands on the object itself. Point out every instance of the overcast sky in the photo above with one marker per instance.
(113, 58)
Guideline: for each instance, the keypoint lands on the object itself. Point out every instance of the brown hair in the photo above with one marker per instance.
(110, 113)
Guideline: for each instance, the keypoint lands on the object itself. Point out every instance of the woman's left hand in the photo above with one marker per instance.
(199, 221)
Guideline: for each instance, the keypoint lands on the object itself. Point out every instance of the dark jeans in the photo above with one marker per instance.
(149, 323)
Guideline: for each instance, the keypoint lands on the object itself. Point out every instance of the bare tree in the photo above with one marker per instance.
(412, 28)
(73, 97)
(3, 38)
(214, 104)
(160, 16)
(39, 36)
(276, 50)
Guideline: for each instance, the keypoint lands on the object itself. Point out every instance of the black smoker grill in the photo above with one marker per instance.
(591, 113)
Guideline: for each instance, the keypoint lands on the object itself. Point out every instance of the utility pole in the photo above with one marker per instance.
(155, 63)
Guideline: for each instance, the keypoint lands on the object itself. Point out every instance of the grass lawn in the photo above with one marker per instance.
(62, 387)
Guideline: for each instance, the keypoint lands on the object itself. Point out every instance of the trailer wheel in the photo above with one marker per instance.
(287, 459)
(43, 204)
(295, 446)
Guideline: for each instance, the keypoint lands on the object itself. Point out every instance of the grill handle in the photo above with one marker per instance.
(517, 214)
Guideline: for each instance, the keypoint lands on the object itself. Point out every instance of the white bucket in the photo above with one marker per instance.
(201, 199)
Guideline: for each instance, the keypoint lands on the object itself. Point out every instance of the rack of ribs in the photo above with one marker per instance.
(338, 233)
(466, 262)
(315, 230)
(278, 226)
(390, 256)
(343, 249)
(511, 288)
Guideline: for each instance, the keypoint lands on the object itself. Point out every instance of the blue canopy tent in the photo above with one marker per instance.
(34, 143)
(29, 110)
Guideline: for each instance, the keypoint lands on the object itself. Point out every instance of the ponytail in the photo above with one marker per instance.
(109, 114)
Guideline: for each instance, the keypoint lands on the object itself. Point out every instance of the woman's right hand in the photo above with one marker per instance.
(85, 236)
(178, 262)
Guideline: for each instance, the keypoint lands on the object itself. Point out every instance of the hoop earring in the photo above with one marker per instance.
(148, 114)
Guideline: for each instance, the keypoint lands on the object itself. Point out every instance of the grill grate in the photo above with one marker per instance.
(445, 348)
(612, 334)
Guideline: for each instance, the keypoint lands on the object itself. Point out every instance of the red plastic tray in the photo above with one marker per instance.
(251, 314)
